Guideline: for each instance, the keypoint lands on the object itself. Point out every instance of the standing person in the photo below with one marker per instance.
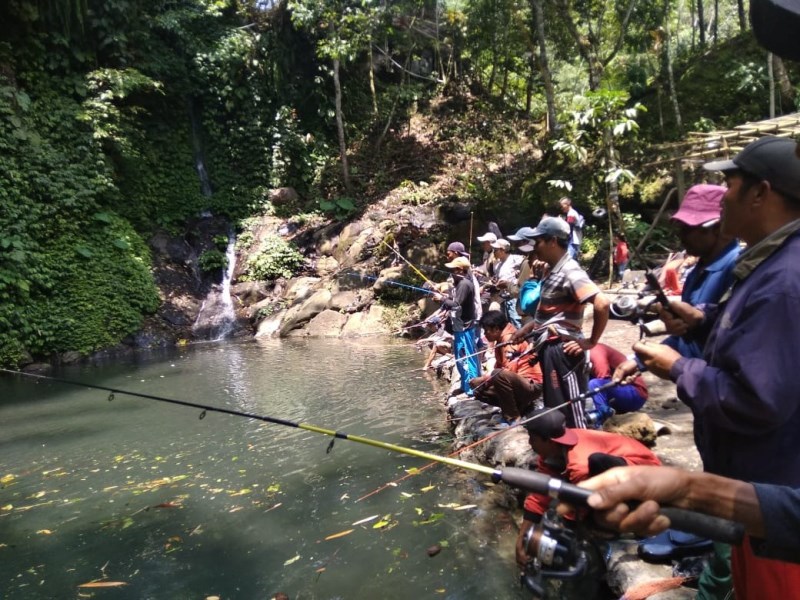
(698, 223)
(565, 288)
(620, 255)
(576, 222)
(742, 394)
(572, 455)
(486, 240)
(461, 307)
(516, 381)
(454, 250)
(504, 278)
(620, 399)
(519, 239)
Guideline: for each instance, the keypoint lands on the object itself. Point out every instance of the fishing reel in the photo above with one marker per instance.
(555, 551)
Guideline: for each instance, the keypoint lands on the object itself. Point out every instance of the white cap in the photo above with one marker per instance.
(487, 237)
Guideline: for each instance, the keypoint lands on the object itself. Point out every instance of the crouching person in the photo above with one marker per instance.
(572, 455)
(516, 382)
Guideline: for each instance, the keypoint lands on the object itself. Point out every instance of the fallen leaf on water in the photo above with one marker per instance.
(413, 471)
(367, 520)
(441, 591)
(291, 560)
(8, 507)
(321, 570)
(7, 478)
(236, 509)
(345, 496)
(428, 488)
(45, 532)
(450, 505)
(167, 505)
(103, 584)
(340, 534)
(465, 506)
(274, 507)
(406, 495)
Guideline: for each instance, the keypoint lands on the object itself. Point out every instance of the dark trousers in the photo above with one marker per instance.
(564, 378)
(513, 394)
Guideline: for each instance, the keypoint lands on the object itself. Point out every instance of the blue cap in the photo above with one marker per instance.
(525, 233)
(552, 227)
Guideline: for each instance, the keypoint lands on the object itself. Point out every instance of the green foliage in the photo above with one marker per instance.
(277, 258)
(340, 208)
(212, 260)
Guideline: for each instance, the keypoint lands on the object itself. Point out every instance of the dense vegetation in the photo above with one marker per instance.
(112, 113)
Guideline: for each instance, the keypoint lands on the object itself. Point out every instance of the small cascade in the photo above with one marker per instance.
(197, 148)
(217, 319)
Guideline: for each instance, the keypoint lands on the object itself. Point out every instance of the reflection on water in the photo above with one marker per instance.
(175, 506)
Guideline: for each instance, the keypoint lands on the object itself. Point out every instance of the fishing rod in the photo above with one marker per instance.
(691, 522)
(408, 262)
(391, 282)
(483, 440)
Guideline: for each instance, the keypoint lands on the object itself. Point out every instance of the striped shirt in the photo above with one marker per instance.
(564, 291)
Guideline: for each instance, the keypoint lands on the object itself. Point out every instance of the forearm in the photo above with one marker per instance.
(599, 318)
(726, 498)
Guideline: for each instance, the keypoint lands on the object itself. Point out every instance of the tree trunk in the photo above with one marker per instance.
(544, 66)
(785, 86)
(340, 127)
(372, 81)
(715, 22)
(701, 23)
(667, 65)
(742, 15)
(771, 76)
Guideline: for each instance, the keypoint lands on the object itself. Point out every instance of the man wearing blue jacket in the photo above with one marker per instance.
(743, 392)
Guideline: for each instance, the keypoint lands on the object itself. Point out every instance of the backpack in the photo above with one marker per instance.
(529, 294)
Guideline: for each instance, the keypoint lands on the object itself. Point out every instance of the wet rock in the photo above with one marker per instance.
(300, 288)
(326, 265)
(370, 322)
(283, 196)
(37, 367)
(351, 301)
(250, 292)
(434, 550)
(301, 313)
(637, 425)
(271, 325)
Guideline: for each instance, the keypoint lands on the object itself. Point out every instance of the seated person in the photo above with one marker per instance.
(516, 382)
(623, 398)
(572, 455)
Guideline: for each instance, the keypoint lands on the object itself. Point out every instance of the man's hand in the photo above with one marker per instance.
(519, 334)
(651, 485)
(658, 358)
(625, 371)
(437, 297)
(576, 347)
(680, 317)
(477, 381)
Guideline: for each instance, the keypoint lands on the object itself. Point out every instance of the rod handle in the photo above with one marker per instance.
(715, 528)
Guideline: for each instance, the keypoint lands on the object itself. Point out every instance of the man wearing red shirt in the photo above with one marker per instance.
(573, 455)
(516, 382)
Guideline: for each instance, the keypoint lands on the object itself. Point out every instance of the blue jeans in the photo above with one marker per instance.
(464, 345)
(622, 398)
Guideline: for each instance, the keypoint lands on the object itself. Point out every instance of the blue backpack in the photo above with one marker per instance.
(529, 294)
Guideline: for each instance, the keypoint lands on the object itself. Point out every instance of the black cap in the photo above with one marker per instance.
(773, 159)
(551, 425)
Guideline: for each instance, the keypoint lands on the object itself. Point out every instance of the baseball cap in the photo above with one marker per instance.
(459, 262)
(701, 205)
(552, 227)
(770, 159)
(456, 247)
(487, 237)
(551, 425)
(524, 233)
(501, 243)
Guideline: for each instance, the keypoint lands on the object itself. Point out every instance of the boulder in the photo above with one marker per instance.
(301, 288)
(250, 292)
(351, 301)
(368, 322)
(326, 265)
(328, 323)
(306, 311)
(270, 326)
(283, 196)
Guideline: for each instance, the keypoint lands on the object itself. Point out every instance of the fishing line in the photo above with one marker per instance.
(408, 262)
(392, 282)
(691, 522)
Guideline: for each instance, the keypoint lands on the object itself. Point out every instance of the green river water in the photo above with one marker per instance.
(174, 506)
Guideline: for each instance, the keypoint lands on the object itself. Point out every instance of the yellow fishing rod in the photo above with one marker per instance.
(408, 262)
(684, 520)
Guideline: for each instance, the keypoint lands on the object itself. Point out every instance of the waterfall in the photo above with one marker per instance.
(197, 148)
(217, 318)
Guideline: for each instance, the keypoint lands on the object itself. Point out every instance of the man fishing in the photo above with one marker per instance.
(460, 304)
(741, 392)
(572, 455)
(564, 291)
(516, 381)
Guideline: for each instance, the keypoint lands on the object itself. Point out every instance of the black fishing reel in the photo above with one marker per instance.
(555, 551)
